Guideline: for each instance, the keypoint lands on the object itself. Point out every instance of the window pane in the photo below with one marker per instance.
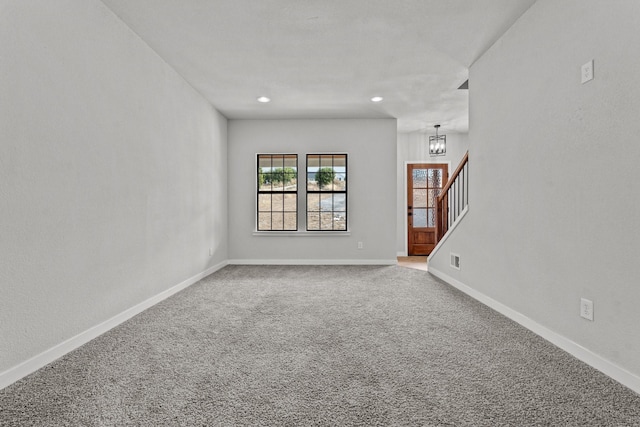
(340, 170)
(340, 162)
(262, 185)
(326, 161)
(420, 178)
(313, 161)
(326, 202)
(435, 178)
(313, 221)
(277, 178)
(277, 162)
(324, 178)
(264, 202)
(264, 161)
(419, 198)
(432, 198)
(290, 179)
(290, 221)
(277, 221)
(264, 221)
(324, 173)
(265, 181)
(419, 217)
(326, 221)
(277, 202)
(291, 202)
(339, 221)
(340, 202)
(431, 217)
(312, 185)
(291, 161)
(313, 202)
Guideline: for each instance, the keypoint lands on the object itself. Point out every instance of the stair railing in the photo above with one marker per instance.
(453, 198)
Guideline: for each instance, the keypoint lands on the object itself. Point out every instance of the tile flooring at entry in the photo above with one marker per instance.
(417, 262)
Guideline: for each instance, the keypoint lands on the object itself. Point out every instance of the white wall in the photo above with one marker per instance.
(412, 148)
(112, 174)
(554, 203)
(371, 145)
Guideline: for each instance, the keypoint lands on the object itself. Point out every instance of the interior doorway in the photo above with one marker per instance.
(424, 182)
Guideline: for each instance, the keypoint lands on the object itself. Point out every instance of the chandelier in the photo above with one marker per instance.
(437, 144)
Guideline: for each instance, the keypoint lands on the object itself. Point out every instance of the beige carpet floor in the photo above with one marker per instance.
(318, 346)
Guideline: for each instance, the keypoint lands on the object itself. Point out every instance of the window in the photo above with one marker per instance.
(277, 205)
(327, 192)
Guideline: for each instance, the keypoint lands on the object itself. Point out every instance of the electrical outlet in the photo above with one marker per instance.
(587, 71)
(360, 245)
(586, 309)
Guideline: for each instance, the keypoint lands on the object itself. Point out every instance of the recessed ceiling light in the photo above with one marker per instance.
(377, 99)
(264, 99)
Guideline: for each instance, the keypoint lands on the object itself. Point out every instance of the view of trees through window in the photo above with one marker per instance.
(326, 192)
(277, 192)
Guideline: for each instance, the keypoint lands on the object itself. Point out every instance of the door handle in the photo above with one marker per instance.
(409, 214)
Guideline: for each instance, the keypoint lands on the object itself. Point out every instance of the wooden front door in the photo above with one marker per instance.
(424, 182)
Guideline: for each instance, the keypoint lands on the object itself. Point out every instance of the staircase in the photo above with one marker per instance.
(453, 199)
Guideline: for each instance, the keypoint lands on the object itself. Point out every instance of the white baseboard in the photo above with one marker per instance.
(393, 261)
(596, 361)
(29, 366)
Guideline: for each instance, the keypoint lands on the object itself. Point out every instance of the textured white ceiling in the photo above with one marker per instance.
(326, 58)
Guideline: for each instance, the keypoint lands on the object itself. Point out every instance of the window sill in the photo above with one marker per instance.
(302, 233)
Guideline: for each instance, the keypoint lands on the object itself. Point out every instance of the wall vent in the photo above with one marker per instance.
(455, 261)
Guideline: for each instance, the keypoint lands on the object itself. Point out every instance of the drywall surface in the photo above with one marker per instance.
(112, 174)
(371, 149)
(413, 148)
(554, 206)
